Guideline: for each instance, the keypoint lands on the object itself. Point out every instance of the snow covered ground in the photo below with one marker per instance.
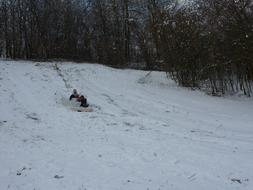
(145, 132)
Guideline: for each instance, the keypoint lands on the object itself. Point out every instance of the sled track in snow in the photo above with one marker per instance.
(59, 72)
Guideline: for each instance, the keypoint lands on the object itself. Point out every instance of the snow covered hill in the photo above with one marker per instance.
(145, 132)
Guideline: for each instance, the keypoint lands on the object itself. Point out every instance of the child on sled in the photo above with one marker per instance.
(79, 98)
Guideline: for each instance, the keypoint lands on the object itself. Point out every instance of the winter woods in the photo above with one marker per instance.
(201, 44)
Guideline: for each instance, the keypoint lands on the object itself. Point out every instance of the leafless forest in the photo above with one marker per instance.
(206, 44)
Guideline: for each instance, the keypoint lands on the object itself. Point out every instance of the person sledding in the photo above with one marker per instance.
(74, 95)
(83, 101)
(79, 98)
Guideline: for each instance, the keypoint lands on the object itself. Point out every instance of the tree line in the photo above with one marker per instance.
(206, 44)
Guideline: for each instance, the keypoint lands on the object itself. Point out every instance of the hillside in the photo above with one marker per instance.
(145, 133)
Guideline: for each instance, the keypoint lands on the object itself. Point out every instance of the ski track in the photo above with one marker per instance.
(145, 132)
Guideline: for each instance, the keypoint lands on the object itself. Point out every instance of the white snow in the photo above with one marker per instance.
(145, 132)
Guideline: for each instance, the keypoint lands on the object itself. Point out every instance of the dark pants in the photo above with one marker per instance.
(84, 103)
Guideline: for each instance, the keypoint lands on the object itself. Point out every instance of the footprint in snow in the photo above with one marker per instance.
(192, 177)
(2, 122)
(129, 124)
(240, 181)
(19, 172)
(32, 116)
(58, 177)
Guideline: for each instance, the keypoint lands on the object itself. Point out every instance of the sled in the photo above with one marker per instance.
(73, 105)
(82, 109)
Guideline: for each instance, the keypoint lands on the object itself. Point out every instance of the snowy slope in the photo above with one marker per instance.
(144, 133)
